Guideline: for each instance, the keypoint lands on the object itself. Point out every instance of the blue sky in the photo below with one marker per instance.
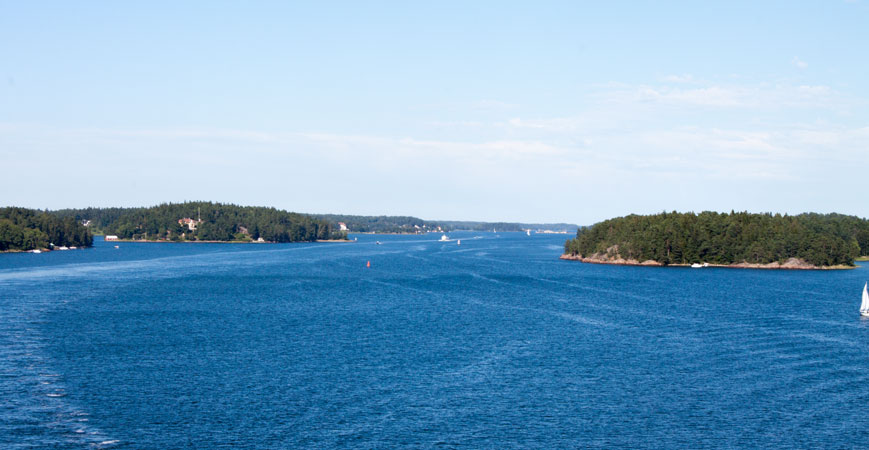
(534, 111)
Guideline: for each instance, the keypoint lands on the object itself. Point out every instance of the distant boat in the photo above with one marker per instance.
(696, 266)
(36, 251)
(444, 238)
(528, 232)
(378, 242)
(117, 246)
(459, 242)
(864, 306)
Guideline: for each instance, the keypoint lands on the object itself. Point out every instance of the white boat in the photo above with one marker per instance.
(444, 238)
(459, 242)
(696, 266)
(36, 251)
(528, 232)
(864, 305)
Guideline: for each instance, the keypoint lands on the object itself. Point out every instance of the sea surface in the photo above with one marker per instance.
(494, 343)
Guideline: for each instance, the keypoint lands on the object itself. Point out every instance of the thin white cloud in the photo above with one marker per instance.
(798, 63)
(685, 78)
(652, 140)
(722, 96)
(492, 104)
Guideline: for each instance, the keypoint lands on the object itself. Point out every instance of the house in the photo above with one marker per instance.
(343, 226)
(191, 223)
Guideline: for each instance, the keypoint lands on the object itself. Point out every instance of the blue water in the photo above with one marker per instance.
(495, 343)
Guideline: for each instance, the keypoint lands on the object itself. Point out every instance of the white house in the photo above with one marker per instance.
(191, 224)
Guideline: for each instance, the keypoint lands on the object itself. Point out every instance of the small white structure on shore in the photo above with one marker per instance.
(111, 237)
(191, 223)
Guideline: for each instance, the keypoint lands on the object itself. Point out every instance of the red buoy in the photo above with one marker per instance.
(368, 264)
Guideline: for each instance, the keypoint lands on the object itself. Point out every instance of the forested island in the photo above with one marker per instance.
(23, 229)
(380, 224)
(737, 239)
(508, 226)
(204, 221)
(414, 225)
(224, 222)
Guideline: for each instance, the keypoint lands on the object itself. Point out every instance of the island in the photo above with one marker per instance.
(711, 239)
(415, 225)
(204, 222)
(23, 229)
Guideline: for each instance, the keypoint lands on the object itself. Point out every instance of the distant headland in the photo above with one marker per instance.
(736, 240)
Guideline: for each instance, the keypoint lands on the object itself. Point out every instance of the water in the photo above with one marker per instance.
(491, 344)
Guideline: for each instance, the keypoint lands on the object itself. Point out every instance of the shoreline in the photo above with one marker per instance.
(789, 265)
(151, 241)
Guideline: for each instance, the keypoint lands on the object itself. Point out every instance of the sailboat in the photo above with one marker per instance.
(864, 305)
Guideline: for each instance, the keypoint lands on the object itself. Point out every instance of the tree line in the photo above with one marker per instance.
(29, 229)
(506, 226)
(211, 222)
(408, 224)
(379, 224)
(687, 238)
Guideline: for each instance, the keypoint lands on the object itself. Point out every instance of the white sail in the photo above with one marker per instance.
(864, 306)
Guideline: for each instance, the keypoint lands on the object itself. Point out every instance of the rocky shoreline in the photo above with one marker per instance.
(790, 264)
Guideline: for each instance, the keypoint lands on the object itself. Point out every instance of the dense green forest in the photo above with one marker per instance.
(130, 222)
(205, 221)
(685, 238)
(98, 219)
(29, 229)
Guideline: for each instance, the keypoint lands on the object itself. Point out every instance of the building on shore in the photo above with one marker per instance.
(191, 223)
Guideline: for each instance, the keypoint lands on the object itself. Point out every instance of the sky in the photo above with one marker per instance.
(495, 111)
